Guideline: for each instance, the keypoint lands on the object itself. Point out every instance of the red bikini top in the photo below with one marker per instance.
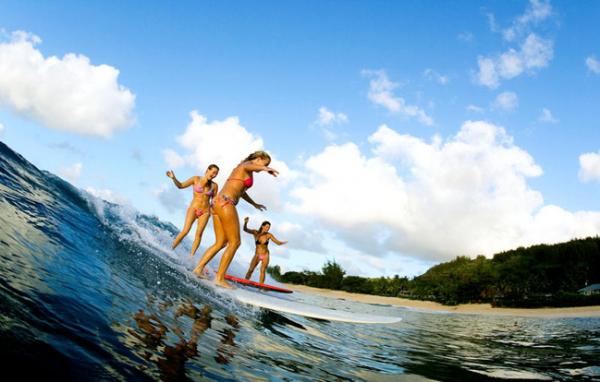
(247, 182)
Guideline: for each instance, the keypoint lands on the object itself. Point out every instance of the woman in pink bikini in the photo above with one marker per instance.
(261, 239)
(204, 190)
(227, 226)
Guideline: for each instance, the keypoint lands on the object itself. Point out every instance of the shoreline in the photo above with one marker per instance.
(422, 305)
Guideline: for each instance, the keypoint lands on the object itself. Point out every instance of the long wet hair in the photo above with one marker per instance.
(210, 167)
(266, 222)
(258, 154)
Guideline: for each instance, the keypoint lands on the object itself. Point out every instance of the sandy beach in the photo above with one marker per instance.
(580, 311)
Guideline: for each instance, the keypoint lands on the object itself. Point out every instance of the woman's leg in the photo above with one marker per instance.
(231, 226)
(263, 268)
(189, 220)
(211, 251)
(202, 221)
(252, 266)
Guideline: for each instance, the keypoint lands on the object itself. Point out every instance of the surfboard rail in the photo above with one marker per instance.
(257, 285)
(301, 309)
(277, 304)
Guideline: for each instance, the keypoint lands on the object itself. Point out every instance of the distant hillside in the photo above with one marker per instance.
(540, 275)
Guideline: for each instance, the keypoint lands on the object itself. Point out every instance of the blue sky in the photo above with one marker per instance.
(407, 132)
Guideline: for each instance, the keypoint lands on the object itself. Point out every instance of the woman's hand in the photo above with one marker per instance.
(272, 171)
(246, 219)
(171, 174)
(259, 207)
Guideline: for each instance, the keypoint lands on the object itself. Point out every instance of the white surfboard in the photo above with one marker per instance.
(306, 310)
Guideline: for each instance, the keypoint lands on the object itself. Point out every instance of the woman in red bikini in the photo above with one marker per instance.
(227, 226)
(261, 239)
(204, 190)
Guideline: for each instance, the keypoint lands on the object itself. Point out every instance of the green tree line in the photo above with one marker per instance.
(540, 275)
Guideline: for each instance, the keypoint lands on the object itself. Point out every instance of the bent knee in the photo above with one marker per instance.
(235, 243)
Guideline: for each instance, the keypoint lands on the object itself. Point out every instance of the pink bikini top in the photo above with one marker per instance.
(247, 182)
(198, 188)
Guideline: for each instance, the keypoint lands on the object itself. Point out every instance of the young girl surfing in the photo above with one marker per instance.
(261, 239)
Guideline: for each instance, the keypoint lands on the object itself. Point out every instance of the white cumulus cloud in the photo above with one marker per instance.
(491, 19)
(592, 64)
(71, 173)
(299, 237)
(589, 167)
(467, 194)
(546, 116)
(173, 159)
(226, 143)
(534, 53)
(108, 195)
(487, 75)
(475, 109)
(536, 12)
(2, 128)
(67, 93)
(381, 92)
(506, 101)
(327, 117)
(170, 197)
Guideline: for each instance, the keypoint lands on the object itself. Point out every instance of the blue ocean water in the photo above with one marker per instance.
(90, 290)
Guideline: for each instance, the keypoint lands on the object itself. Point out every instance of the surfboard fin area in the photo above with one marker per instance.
(306, 310)
(281, 305)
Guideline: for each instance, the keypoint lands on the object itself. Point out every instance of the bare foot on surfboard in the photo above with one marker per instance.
(202, 273)
(223, 284)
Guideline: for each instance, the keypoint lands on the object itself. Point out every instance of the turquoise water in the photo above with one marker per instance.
(91, 291)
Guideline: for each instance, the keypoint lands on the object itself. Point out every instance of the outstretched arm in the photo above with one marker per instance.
(247, 198)
(274, 239)
(185, 184)
(250, 231)
(255, 167)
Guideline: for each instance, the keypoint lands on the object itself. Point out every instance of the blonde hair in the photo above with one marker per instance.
(258, 154)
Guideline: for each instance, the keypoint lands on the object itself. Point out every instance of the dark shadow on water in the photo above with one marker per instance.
(270, 320)
(152, 340)
(58, 335)
(224, 355)
(376, 304)
(321, 320)
(49, 363)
